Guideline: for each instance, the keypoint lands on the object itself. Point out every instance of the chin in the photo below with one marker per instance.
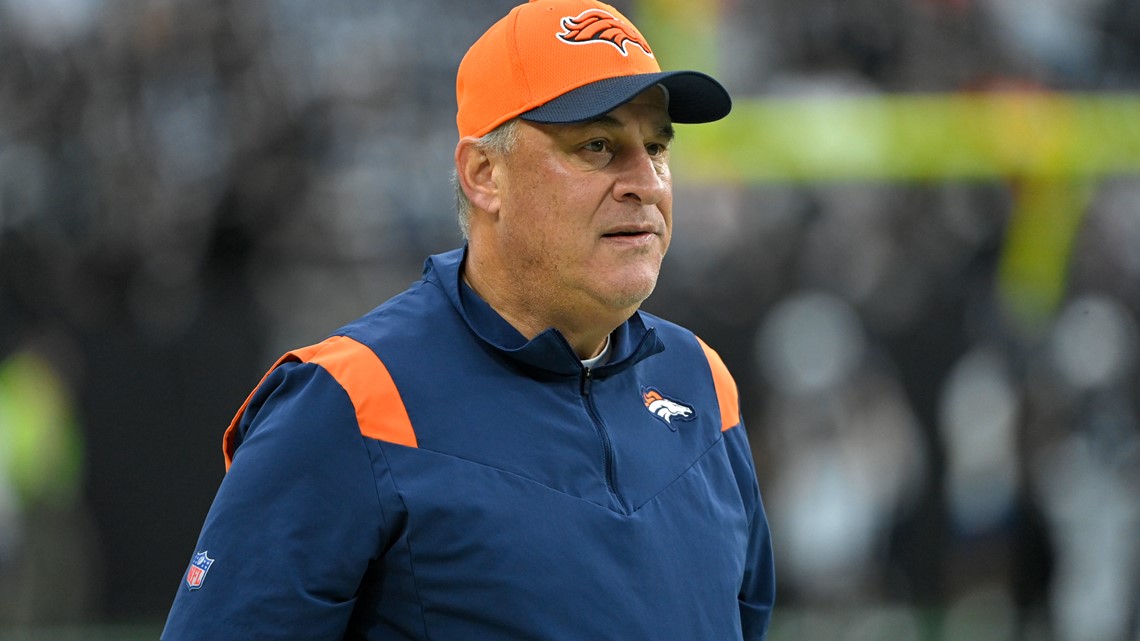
(631, 293)
(626, 283)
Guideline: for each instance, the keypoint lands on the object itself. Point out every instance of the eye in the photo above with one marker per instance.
(597, 146)
(656, 149)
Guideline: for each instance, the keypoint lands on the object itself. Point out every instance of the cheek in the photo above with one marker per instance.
(531, 226)
(666, 208)
(552, 210)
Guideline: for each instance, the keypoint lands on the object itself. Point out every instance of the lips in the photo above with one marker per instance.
(629, 231)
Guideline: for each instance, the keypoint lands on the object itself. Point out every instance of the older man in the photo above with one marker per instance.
(509, 449)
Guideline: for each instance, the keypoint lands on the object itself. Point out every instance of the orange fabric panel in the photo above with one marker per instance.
(231, 431)
(726, 392)
(380, 411)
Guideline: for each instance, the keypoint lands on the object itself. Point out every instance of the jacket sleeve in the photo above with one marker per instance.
(758, 587)
(294, 525)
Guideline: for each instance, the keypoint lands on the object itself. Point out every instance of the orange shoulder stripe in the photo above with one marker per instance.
(380, 411)
(726, 393)
(231, 431)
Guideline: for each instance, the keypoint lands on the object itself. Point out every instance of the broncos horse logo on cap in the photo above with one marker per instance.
(666, 409)
(596, 25)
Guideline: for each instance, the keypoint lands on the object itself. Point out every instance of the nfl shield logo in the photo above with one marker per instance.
(199, 566)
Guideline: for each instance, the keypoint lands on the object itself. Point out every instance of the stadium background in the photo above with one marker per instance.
(916, 242)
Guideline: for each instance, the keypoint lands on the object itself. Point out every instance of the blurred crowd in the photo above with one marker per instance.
(189, 189)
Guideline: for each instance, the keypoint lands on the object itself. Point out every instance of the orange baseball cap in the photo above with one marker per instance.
(561, 61)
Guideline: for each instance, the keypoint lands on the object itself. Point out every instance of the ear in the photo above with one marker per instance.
(474, 169)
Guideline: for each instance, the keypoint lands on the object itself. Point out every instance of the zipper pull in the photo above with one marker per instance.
(586, 380)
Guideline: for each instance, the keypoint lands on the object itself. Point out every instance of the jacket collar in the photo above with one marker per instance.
(549, 351)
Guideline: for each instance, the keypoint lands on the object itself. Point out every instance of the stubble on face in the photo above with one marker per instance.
(585, 217)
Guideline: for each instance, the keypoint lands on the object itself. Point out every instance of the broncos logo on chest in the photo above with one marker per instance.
(595, 25)
(666, 409)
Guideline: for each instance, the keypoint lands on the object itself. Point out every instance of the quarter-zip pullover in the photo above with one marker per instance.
(428, 473)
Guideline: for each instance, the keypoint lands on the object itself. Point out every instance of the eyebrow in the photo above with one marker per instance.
(605, 120)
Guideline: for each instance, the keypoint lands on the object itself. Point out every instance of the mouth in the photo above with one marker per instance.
(630, 239)
(635, 231)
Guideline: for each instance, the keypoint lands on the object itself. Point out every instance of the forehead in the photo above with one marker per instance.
(651, 106)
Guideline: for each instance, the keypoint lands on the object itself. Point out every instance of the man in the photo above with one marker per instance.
(509, 449)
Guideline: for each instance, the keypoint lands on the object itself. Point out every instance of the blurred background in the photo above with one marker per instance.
(916, 243)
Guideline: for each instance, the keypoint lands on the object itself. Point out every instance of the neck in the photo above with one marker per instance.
(586, 333)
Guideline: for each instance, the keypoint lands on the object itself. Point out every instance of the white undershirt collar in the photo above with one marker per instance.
(600, 359)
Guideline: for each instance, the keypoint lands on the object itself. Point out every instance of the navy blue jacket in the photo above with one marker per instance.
(428, 473)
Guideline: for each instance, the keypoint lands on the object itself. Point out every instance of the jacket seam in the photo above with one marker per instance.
(408, 538)
(521, 477)
(719, 439)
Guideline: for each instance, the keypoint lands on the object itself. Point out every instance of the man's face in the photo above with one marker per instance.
(586, 210)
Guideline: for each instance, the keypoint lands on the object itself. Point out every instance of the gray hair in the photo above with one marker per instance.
(500, 140)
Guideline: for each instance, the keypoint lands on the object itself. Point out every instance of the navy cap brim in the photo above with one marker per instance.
(694, 97)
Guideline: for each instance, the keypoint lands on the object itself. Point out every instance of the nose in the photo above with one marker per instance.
(642, 178)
